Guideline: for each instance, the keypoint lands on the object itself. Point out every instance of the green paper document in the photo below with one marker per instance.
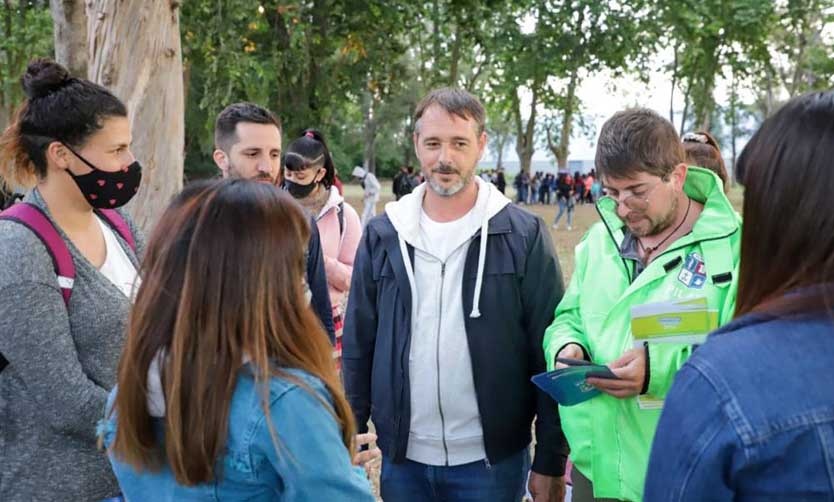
(683, 322)
(686, 322)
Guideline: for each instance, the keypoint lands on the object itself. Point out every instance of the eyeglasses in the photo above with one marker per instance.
(636, 200)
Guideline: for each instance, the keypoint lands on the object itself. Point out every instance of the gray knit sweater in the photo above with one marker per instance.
(62, 364)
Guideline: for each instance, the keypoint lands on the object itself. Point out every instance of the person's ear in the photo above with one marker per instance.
(58, 155)
(222, 161)
(482, 143)
(416, 139)
(678, 175)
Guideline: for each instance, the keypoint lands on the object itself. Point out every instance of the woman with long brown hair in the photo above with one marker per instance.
(751, 414)
(227, 386)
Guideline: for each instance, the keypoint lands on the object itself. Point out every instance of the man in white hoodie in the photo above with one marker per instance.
(452, 289)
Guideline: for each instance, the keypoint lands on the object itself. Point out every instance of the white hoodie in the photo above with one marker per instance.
(445, 424)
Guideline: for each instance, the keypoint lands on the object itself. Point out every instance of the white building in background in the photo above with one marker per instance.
(583, 166)
(511, 167)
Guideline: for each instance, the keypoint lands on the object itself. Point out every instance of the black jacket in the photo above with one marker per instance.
(522, 285)
(317, 282)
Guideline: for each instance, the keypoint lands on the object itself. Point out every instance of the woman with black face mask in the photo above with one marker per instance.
(308, 175)
(68, 265)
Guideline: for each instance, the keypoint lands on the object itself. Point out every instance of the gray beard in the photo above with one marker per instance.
(452, 190)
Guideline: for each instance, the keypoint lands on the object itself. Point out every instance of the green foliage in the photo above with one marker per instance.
(310, 62)
(26, 33)
(356, 69)
(711, 37)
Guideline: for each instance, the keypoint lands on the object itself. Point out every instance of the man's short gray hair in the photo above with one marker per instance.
(456, 102)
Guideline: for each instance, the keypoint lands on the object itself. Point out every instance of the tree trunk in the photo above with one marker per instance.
(500, 139)
(674, 83)
(436, 22)
(369, 133)
(733, 125)
(525, 145)
(5, 118)
(318, 54)
(5, 100)
(455, 63)
(69, 19)
(408, 143)
(567, 122)
(685, 111)
(705, 121)
(135, 51)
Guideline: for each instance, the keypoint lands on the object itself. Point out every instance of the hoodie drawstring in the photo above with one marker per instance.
(479, 282)
(409, 271)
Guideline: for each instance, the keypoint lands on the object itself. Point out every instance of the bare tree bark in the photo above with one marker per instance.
(563, 149)
(318, 52)
(135, 51)
(6, 104)
(733, 118)
(674, 84)
(525, 145)
(69, 19)
(498, 144)
(408, 144)
(685, 111)
(455, 63)
(369, 130)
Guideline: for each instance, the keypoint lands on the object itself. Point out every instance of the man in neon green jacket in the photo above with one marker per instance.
(667, 232)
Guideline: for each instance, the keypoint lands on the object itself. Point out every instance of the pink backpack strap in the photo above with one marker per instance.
(119, 224)
(33, 218)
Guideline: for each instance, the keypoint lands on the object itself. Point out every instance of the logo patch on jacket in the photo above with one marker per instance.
(693, 274)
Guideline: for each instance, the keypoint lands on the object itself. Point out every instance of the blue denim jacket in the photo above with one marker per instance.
(750, 416)
(310, 464)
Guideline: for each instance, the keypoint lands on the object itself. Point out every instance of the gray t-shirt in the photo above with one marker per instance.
(62, 364)
(629, 251)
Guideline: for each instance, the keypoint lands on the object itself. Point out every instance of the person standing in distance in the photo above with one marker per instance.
(372, 188)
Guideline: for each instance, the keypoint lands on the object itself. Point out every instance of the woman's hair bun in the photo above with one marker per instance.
(44, 76)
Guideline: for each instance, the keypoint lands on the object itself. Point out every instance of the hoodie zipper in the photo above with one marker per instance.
(437, 345)
(437, 361)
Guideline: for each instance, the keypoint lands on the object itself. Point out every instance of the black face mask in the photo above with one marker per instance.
(299, 191)
(105, 189)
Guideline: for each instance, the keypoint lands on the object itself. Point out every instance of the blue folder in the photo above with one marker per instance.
(567, 386)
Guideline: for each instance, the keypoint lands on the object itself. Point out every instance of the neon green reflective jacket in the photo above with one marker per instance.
(610, 438)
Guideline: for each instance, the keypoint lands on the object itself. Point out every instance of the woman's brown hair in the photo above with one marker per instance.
(787, 243)
(701, 149)
(222, 281)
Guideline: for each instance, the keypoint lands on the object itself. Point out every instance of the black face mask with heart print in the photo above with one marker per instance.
(108, 189)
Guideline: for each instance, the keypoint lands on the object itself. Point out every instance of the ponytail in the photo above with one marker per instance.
(16, 168)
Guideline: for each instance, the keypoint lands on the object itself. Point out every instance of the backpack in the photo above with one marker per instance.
(7, 200)
(33, 218)
(340, 214)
